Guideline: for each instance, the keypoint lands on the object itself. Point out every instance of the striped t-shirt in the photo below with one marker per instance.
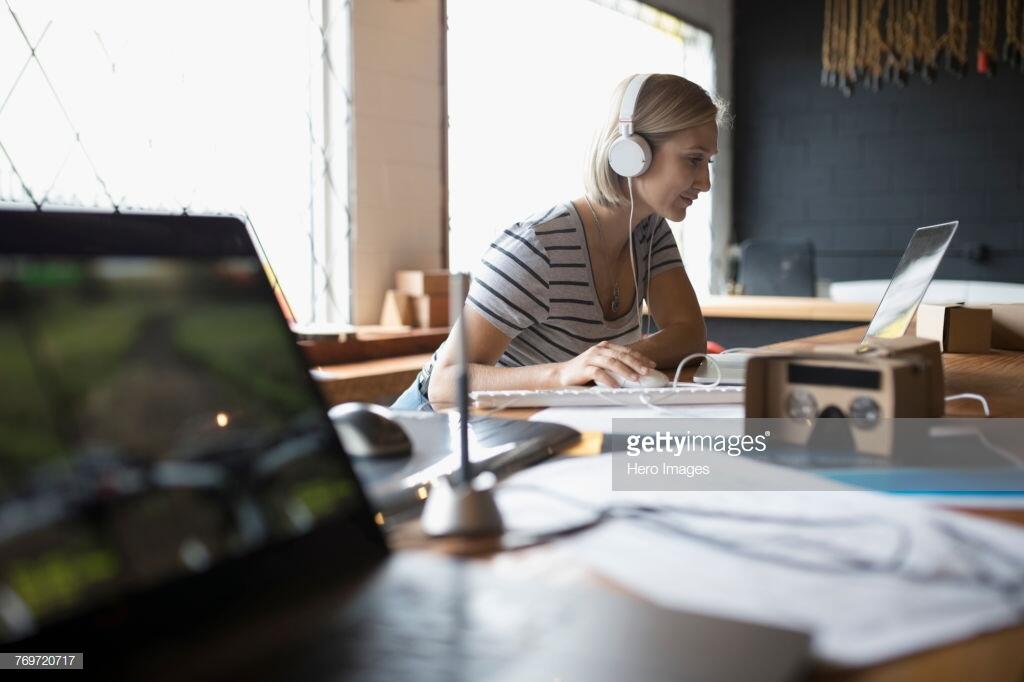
(535, 284)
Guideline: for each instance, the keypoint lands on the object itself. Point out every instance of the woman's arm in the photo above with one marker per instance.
(676, 311)
(486, 345)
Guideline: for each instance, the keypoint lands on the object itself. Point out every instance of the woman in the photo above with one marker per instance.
(554, 300)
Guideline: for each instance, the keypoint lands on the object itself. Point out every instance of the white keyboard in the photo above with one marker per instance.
(598, 396)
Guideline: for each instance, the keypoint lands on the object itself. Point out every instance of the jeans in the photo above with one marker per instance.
(411, 399)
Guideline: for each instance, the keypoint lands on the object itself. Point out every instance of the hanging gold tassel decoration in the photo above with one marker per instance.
(877, 42)
(1013, 47)
(988, 27)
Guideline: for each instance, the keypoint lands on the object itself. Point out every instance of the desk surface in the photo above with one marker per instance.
(999, 376)
(786, 308)
(370, 380)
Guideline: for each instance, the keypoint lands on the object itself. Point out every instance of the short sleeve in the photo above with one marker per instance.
(664, 252)
(511, 282)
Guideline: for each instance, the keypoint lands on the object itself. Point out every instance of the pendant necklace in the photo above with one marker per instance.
(604, 255)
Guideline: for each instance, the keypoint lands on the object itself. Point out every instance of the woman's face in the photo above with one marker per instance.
(679, 172)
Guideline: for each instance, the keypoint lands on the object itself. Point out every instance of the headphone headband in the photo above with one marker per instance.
(628, 107)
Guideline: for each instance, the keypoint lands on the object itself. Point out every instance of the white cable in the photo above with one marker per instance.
(679, 368)
(632, 260)
(647, 295)
(647, 402)
(971, 396)
(1017, 459)
(1012, 457)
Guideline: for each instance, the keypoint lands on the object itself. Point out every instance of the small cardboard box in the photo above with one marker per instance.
(430, 311)
(925, 351)
(1008, 326)
(957, 328)
(422, 282)
(397, 309)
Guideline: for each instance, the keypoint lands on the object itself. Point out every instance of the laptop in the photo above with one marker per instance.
(910, 282)
(175, 503)
(892, 317)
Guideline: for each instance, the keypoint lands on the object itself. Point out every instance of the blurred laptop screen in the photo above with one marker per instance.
(155, 419)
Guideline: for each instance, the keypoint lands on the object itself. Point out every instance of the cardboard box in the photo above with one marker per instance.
(1008, 326)
(957, 328)
(924, 351)
(397, 310)
(430, 311)
(422, 282)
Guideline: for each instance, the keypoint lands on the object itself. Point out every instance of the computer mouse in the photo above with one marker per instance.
(653, 379)
(368, 431)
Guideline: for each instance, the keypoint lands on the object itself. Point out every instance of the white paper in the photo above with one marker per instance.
(968, 501)
(600, 418)
(933, 595)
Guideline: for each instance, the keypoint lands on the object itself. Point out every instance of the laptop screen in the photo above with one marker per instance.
(156, 419)
(910, 281)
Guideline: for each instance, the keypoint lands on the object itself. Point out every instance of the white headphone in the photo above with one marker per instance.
(630, 155)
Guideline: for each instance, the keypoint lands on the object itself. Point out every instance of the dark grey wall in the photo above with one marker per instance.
(857, 175)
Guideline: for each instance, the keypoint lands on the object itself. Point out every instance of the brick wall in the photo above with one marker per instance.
(857, 175)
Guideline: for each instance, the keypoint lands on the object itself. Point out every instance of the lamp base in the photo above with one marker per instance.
(461, 509)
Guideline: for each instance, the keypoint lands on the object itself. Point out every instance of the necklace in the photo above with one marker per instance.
(604, 256)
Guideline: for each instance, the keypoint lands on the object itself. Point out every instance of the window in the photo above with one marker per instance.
(226, 106)
(528, 85)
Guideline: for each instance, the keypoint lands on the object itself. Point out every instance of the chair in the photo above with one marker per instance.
(777, 268)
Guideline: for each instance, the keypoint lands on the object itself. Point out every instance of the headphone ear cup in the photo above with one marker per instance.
(629, 156)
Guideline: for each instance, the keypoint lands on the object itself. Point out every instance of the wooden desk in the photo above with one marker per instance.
(997, 375)
(786, 308)
(370, 364)
(993, 656)
(370, 380)
(351, 373)
(759, 320)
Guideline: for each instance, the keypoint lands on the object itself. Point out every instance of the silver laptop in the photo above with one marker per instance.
(892, 317)
(910, 281)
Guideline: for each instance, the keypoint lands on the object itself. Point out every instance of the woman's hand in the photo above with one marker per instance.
(596, 363)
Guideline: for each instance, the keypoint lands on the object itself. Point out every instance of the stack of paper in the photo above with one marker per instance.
(870, 576)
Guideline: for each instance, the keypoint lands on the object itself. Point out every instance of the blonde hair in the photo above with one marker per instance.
(666, 105)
